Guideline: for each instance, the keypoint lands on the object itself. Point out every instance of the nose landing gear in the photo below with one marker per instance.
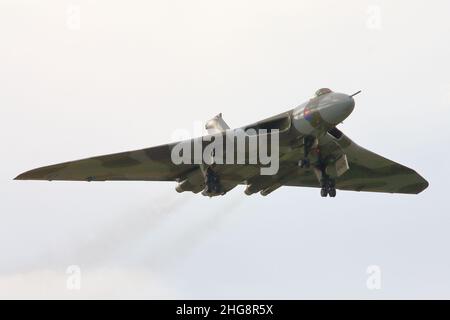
(308, 144)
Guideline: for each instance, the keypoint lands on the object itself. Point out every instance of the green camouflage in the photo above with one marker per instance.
(366, 170)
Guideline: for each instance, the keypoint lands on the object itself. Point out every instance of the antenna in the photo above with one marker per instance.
(356, 93)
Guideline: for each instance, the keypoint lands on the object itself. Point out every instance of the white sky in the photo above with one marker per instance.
(131, 73)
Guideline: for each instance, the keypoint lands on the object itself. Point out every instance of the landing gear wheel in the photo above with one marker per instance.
(328, 188)
(332, 192)
(215, 188)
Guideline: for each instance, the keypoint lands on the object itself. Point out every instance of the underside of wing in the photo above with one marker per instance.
(152, 164)
(372, 172)
(367, 171)
(364, 170)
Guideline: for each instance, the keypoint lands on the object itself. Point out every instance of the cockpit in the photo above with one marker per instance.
(323, 91)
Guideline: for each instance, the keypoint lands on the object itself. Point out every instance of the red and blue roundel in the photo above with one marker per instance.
(307, 114)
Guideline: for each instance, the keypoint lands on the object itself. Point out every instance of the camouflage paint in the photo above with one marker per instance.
(368, 171)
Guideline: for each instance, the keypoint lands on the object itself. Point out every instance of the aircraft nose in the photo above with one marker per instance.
(338, 109)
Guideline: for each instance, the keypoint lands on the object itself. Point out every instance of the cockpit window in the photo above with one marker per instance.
(322, 91)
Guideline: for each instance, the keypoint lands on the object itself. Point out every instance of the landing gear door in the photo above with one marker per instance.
(341, 165)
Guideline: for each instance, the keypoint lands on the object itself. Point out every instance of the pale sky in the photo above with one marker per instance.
(84, 78)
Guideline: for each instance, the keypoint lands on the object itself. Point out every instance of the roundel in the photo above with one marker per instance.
(307, 114)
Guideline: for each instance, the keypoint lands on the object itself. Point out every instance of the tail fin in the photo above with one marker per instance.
(216, 125)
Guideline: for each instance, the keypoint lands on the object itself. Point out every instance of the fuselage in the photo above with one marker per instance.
(321, 113)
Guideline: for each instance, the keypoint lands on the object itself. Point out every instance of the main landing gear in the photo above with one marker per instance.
(212, 182)
(327, 184)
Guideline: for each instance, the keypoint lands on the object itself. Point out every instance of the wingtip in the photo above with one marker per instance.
(22, 176)
(31, 175)
(421, 186)
(44, 173)
(425, 185)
